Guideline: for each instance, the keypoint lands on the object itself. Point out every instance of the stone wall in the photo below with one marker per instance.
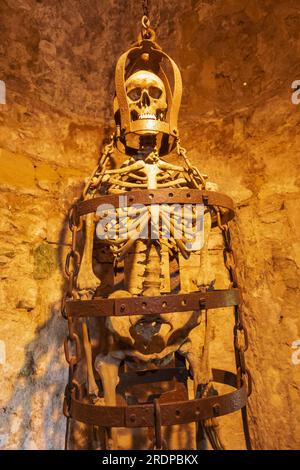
(238, 60)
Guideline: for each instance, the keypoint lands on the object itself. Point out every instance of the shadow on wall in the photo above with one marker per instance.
(38, 392)
(33, 417)
(34, 411)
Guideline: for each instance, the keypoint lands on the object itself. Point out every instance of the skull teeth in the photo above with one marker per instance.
(147, 116)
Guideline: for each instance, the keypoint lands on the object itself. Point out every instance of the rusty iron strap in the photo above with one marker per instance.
(180, 412)
(169, 303)
(160, 196)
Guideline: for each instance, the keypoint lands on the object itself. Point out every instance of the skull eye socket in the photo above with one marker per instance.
(155, 92)
(135, 94)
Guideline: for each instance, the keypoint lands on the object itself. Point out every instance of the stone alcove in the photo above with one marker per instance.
(238, 60)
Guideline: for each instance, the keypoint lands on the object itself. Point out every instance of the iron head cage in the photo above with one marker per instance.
(146, 54)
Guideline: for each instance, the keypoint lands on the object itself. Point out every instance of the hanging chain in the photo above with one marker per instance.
(72, 345)
(240, 331)
(72, 342)
(197, 178)
(97, 175)
(146, 8)
(72, 260)
(147, 32)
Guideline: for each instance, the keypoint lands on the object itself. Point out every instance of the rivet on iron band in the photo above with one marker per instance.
(216, 409)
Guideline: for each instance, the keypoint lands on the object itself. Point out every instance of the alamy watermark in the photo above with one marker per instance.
(296, 353)
(2, 92)
(184, 222)
(296, 94)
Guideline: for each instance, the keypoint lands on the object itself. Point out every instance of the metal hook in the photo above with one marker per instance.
(145, 22)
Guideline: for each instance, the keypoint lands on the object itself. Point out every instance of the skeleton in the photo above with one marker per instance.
(155, 338)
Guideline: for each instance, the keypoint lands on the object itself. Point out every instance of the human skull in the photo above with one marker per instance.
(146, 96)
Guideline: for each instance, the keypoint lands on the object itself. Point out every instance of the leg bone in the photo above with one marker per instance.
(92, 386)
(87, 281)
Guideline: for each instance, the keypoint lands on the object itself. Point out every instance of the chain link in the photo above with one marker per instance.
(72, 263)
(75, 222)
(145, 23)
(75, 256)
(146, 31)
(74, 340)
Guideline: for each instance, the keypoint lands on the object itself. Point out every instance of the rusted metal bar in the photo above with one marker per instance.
(171, 413)
(174, 303)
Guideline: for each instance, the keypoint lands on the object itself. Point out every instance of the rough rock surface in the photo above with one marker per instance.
(238, 60)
